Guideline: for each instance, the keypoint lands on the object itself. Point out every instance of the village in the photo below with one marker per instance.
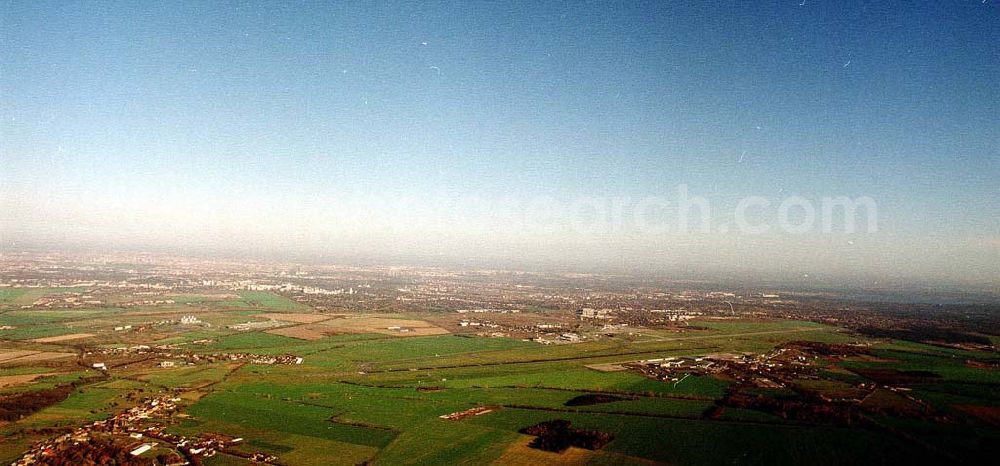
(168, 356)
(792, 381)
(139, 431)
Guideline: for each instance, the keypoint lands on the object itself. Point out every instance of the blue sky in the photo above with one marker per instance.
(334, 129)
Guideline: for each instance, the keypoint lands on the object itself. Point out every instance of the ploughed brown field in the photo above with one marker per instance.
(18, 356)
(297, 317)
(58, 338)
(11, 380)
(387, 326)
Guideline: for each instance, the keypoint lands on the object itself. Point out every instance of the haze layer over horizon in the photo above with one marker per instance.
(663, 136)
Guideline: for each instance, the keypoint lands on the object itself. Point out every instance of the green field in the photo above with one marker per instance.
(263, 300)
(378, 398)
(10, 294)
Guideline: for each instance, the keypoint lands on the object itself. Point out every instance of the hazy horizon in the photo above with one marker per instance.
(497, 133)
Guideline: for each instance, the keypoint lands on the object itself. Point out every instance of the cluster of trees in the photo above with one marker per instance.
(94, 452)
(170, 458)
(593, 399)
(928, 334)
(890, 376)
(16, 406)
(558, 435)
(795, 409)
(826, 349)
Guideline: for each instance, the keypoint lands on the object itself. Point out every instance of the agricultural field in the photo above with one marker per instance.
(296, 384)
(342, 324)
(262, 300)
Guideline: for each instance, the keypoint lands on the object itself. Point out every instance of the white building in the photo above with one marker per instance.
(141, 449)
(588, 313)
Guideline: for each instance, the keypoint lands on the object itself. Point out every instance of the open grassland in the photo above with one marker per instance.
(649, 427)
(11, 447)
(727, 337)
(714, 442)
(193, 298)
(295, 431)
(190, 377)
(27, 356)
(45, 316)
(387, 326)
(29, 324)
(12, 380)
(267, 343)
(365, 395)
(42, 383)
(26, 296)
(308, 450)
(263, 300)
(528, 383)
(83, 405)
(940, 364)
(519, 453)
(10, 294)
(272, 413)
(442, 442)
(33, 332)
(250, 341)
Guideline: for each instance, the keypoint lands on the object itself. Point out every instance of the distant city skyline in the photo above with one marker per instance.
(433, 133)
